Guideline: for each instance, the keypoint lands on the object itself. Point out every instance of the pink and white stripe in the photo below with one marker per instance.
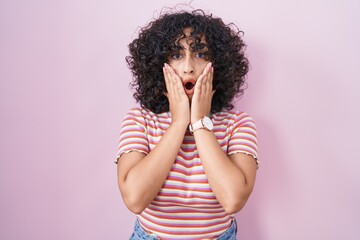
(186, 207)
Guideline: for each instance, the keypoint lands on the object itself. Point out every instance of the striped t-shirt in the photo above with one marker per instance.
(186, 207)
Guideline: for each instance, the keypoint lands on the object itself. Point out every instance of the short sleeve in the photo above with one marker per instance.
(243, 137)
(133, 134)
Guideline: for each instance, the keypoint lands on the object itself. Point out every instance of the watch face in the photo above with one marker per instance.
(208, 123)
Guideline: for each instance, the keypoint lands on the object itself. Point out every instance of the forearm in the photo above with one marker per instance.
(228, 181)
(144, 180)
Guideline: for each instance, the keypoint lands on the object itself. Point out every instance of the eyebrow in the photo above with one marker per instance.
(179, 46)
(197, 47)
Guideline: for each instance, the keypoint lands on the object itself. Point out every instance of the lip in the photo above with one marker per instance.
(187, 82)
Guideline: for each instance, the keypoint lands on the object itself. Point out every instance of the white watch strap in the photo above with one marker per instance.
(196, 125)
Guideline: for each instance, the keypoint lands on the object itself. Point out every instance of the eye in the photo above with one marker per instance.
(175, 55)
(201, 55)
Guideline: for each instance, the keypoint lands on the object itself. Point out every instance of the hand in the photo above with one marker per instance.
(201, 101)
(178, 101)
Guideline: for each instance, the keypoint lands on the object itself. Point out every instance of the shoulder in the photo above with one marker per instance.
(146, 115)
(138, 111)
(233, 117)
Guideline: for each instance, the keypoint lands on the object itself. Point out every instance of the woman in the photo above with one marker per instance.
(186, 160)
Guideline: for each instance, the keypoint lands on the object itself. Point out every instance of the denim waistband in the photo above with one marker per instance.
(140, 234)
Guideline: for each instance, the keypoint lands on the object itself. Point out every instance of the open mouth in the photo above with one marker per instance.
(189, 85)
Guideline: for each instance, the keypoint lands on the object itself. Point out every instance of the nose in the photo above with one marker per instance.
(189, 65)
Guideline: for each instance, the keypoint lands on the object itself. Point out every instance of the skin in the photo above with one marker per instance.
(140, 176)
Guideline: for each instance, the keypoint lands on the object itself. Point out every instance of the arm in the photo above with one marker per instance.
(140, 176)
(231, 177)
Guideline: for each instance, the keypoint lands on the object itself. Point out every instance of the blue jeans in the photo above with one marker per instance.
(140, 234)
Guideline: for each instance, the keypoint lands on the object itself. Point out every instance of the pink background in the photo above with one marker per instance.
(64, 90)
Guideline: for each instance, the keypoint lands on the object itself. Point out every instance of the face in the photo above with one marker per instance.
(189, 63)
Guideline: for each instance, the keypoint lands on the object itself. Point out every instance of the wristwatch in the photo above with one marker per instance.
(204, 122)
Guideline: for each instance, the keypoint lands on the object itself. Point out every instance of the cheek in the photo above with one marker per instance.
(174, 66)
(202, 65)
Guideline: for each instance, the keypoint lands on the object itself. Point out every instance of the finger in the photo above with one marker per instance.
(167, 80)
(210, 76)
(172, 73)
(166, 77)
(202, 83)
(172, 93)
(198, 84)
(176, 83)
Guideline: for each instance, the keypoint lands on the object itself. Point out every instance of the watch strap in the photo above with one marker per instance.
(196, 125)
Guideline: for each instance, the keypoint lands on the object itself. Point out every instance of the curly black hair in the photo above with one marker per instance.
(156, 42)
